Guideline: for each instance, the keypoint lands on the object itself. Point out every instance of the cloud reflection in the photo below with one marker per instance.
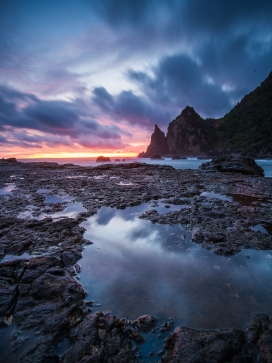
(136, 267)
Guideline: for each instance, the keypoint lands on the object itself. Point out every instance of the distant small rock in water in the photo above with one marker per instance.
(156, 157)
(10, 160)
(117, 160)
(102, 159)
(233, 164)
(177, 157)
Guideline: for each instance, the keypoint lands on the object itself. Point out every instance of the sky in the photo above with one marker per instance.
(82, 78)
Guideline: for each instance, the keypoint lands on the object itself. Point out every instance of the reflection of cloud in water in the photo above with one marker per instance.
(136, 267)
(216, 196)
(8, 189)
(58, 199)
(71, 211)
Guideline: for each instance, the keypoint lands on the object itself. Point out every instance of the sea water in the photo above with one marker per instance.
(190, 163)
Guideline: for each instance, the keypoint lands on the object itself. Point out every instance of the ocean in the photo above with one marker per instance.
(190, 163)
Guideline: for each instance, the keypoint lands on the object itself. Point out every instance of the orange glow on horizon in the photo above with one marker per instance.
(69, 155)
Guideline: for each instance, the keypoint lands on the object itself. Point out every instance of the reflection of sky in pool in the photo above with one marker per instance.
(58, 199)
(43, 191)
(16, 257)
(135, 267)
(216, 196)
(71, 211)
(161, 207)
(8, 189)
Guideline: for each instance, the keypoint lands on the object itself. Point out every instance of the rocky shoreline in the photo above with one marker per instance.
(39, 293)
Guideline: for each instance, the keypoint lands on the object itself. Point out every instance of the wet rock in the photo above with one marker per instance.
(145, 323)
(230, 345)
(34, 236)
(233, 164)
(70, 256)
(99, 338)
(40, 294)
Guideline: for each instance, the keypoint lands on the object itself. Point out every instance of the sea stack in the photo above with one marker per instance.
(157, 145)
(102, 159)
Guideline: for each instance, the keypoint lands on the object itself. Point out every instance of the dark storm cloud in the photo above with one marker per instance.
(229, 45)
(212, 15)
(180, 81)
(239, 61)
(61, 122)
(127, 106)
(58, 116)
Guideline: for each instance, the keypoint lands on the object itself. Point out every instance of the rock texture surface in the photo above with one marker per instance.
(157, 145)
(233, 345)
(43, 304)
(232, 164)
(189, 134)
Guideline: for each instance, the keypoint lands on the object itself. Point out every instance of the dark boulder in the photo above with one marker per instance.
(177, 157)
(101, 338)
(229, 345)
(156, 157)
(233, 164)
(102, 159)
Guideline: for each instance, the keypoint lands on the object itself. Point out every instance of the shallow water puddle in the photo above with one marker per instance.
(263, 227)
(21, 341)
(162, 207)
(57, 199)
(17, 257)
(248, 200)
(216, 196)
(43, 191)
(8, 189)
(71, 211)
(135, 268)
(76, 176)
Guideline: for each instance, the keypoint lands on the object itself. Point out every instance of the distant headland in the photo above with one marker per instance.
(246, 130)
